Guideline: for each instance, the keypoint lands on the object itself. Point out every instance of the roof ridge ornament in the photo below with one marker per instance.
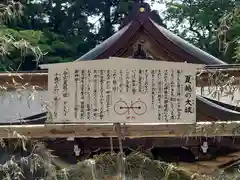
(140, 12)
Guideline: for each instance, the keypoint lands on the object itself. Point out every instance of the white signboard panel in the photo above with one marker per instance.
(123, 90)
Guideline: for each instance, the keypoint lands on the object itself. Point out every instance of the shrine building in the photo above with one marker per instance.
(139, 37)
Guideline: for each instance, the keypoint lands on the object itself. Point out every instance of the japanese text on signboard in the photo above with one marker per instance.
(106, 91)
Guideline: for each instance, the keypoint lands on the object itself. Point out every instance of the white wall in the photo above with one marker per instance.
(14, 106)
(224, 98)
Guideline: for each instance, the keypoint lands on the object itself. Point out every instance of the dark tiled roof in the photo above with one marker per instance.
(36, 119)
(217, 111)
(203, 56)
(99, 49)
(220, 111)
(222, 104)
(186, 46)
(23, 105)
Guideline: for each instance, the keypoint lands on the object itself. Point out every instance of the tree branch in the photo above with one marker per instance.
(191, 22)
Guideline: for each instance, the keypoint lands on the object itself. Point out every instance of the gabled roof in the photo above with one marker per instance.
(203, 56)
(18, 107)
(94, 53)
(216, 111)
(166, 38)
(175, 45)
(206, 108)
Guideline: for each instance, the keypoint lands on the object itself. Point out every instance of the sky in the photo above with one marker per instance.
(160, 7)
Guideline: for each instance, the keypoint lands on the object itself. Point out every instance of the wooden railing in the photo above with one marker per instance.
(39, 79)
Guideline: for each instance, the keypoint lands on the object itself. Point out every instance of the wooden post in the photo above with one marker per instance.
(207, 129)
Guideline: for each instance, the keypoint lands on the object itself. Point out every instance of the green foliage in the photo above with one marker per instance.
(55, 48)
(229, 33)
(9, 11)
(14, 48)
(198, 20)
(61, 28)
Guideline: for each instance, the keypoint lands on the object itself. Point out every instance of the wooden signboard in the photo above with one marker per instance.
(121, 90)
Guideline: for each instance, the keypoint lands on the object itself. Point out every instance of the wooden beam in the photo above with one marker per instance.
(12, 80)
(208, 167)
(194, 168)
(207, 129)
